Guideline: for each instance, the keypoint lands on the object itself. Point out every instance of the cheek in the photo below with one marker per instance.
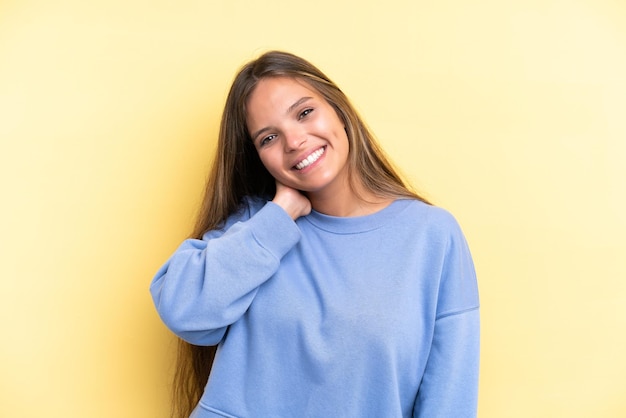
(338, 129)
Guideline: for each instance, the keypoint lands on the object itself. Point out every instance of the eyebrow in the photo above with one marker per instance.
(289, 110)
(297, 103)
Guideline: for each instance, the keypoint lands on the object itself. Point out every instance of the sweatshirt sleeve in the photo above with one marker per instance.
(449, 385)
(208, 284)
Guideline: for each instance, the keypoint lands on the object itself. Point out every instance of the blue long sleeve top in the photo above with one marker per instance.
(372, 316)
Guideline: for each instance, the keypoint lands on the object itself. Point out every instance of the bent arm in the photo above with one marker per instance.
(208, 284)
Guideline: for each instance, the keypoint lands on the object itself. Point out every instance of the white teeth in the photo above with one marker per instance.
(310, 159)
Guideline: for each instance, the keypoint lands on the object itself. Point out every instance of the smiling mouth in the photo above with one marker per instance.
(315, 155)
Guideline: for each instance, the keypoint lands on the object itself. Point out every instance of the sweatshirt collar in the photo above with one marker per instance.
(357, 224)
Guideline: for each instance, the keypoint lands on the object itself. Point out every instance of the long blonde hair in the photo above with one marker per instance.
(237, 172)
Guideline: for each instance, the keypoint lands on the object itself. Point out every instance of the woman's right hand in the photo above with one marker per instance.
(292, 201)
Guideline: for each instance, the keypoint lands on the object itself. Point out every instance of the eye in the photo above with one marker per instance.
(304, 113)
(266, 140)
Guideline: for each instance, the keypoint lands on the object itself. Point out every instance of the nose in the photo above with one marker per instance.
(294, 139)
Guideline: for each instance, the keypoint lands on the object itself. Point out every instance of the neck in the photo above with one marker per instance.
(348, 203)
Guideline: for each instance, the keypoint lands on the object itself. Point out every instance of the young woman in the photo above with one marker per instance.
(329, 288)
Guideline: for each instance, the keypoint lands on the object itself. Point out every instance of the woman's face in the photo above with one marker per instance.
(299, 137)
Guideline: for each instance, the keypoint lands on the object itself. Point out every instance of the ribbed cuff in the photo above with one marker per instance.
(274, 229)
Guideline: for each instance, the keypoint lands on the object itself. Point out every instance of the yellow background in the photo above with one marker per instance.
(511, 114)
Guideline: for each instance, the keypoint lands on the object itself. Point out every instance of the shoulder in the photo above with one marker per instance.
(428, 216)
(247, 208)
(250, 205)
(433, 225)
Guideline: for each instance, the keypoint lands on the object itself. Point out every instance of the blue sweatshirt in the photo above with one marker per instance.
(373, 316)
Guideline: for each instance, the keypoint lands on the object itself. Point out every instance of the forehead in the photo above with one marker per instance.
(279, 90)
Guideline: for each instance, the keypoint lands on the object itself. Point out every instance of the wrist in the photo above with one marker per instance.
(287, 207)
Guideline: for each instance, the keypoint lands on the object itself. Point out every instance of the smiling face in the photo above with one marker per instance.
(300, 138)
